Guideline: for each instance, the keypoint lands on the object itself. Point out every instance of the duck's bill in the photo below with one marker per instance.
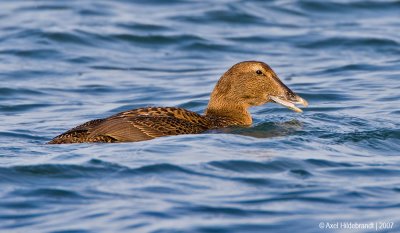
(290, 103)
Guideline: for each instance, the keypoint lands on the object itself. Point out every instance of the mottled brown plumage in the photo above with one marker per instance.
(244, 85)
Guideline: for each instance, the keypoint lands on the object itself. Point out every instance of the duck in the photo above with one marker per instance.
(245, 84)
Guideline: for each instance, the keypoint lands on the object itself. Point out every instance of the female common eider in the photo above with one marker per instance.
(245, 84)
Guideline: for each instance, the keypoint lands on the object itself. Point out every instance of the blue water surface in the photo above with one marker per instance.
(66, 62)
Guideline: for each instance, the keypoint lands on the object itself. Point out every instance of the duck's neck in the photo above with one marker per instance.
(232, 113)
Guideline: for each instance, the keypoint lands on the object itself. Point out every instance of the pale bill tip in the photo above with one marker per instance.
(289, 104)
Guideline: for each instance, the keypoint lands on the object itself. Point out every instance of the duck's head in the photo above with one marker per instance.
(251, 83)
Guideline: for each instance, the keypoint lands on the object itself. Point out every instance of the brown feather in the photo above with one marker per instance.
(121, 129)
(138, 128)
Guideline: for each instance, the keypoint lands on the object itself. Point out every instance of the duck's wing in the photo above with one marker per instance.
(139, 128)
(86, 126)
(172, 112)
(78, 133)
(136, 125)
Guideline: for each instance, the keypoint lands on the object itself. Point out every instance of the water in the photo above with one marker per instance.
(65, 62)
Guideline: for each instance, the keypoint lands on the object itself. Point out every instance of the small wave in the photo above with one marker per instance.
(244, 166)
(21, 107)
(219, 210)
(143, 27)
(157, 40)
(357, 136)
(328, 96)
(352, 6)
(364, 171)
(350, 42)
(43, 7)
(70, 37)
(161, 168)
(204, 46)
(48, 193)
(22, 134)
(326, 163)
(92, 169)
(33, 53)
(351, 68)
(226, 16)
(12, 92)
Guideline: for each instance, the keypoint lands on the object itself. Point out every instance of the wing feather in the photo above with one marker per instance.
(138, 128)
(136, 125)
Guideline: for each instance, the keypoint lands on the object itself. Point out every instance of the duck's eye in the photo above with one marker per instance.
(259, 72)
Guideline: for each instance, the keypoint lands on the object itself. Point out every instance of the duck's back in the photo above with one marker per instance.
(137, 125)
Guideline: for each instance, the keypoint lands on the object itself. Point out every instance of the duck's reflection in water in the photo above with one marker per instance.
(265, 129)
